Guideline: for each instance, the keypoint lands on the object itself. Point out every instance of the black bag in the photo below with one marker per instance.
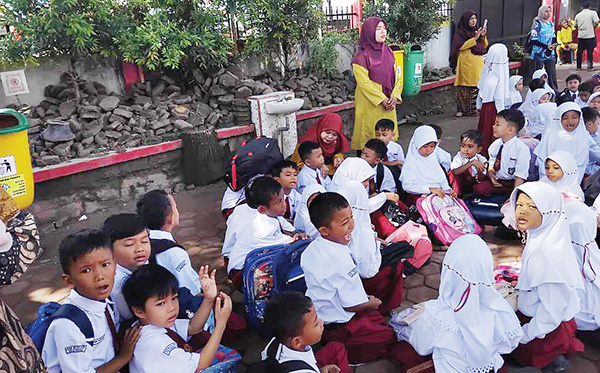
(528, 45)
(252, 158)
(395, 252)
(591, 187)
(393, 213)
(486, 211)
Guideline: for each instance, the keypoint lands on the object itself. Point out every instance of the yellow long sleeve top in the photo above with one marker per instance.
(469, 66)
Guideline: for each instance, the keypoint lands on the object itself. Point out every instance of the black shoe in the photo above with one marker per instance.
(560, 364)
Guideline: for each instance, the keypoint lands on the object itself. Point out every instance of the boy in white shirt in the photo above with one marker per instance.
(286, 174)
(314, 171)
(573, 81)
(469, 166)
(591, 118)
(394, 157)
(89, 271)
(335, 287)
(374, 153)
(151, 293)
(293, 319)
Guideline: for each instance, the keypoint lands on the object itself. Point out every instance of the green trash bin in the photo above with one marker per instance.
(413, 70)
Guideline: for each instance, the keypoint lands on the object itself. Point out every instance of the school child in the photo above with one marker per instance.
(230, 200)
(422, 172)
(564, 38)
(335, 287)
(267, 228)
(493, 91)
(286, 174)
(594, 101)
(543, 113)
(302, 220)
(151, 292)
(549, 279)
(294, 321)
(443, 156)
(384, 131)
(469, 325)
(468, 166)
(374, 153)
(508, 165)
(534, 85)
(573, 81)
(591, 118)
(515, 86)
(561, 173)
(539, 96)
(235, 224)
(585, 91)
(159, 213)
(315, 171)
(89, 271)
(542, 74)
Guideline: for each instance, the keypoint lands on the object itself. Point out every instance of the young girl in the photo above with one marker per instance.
(583, 227)
(469, 325)
(562, 173)
(538, 96)
(515, 86)
(549, 278)
(594, 101)
(564, 38)
(422, 173)
(542, 74)
(540, 117)
(302, 220)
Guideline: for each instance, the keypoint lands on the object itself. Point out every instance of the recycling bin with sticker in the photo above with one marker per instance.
(16, 174)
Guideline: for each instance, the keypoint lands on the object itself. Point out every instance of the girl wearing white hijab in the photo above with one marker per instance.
(537, 97)
(542, 74)
(470, 324)
(591, 103)
(566, 132)
(302, 220)
(494, 91)
(549, 278)
(421, 172)
(583, 227)
(562, 173)
(515, 96)
(541, 115)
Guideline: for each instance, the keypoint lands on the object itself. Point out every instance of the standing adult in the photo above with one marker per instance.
(377, 86)
(466, 58)
(543, 40)
(586, 22)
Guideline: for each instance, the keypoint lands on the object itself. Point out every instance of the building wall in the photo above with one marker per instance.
(437, 50)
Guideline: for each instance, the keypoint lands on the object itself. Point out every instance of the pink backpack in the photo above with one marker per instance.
(416, 236)
(448, 218)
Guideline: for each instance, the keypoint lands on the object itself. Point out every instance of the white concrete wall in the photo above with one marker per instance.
(437, 50)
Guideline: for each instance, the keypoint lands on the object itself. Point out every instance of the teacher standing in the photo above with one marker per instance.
(466, 58)
(377, 86)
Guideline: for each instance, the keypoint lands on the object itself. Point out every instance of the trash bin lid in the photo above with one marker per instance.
(12, 121)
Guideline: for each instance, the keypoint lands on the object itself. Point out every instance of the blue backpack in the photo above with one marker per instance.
(51, 311)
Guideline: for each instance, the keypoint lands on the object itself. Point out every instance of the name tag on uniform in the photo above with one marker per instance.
(170, 347)
(353, 272)
(180, 266)
(75, 349)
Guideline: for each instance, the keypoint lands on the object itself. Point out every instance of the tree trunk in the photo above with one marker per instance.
(204, 159)
(75, 78)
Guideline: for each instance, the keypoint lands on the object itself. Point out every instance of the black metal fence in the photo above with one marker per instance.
(339, 17)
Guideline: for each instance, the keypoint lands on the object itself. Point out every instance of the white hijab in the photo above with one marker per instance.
(542, 114)
(352, 168)
(592, 96)
(548, 256)
(569, 183)
(493, 81)
(302, 219)
(515, 96)
(364, 248)
(469, 305)
(532, 101)
(419, 170)
(537, 74)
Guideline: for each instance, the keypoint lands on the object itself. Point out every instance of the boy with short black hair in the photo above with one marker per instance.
(591, 118)
(89, 271)
(314, 171)
(384, 131)
(573, 81)
(151, 293)
(374, 153)
(444, 158)
(294, 321)
(286, 173)
(158, 211)
(585, 91)
(508, 165)
(469, 166)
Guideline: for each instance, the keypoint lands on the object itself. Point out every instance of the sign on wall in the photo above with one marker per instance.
(14, 82)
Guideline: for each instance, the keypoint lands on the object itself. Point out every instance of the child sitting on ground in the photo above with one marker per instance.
(384, 131)
(302, 221)
(315, 170)
(159, 213)
(443, 156)
(89, 271)
(296, 326)
(151, 293)
(585, 91)
(594, 101)
(561, 173)
(573, 81)
(374, 153)
(286, 173)
(591, 118)
(515, 87)
(468, 166)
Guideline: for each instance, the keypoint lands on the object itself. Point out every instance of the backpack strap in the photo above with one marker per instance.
(287, 366)
(379, 174)
(160, 246)
(79, 318)
(181, 343)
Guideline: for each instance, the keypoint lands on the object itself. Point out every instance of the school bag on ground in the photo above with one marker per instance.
(447, 218)
(591, 187)
(416, 236)
(252, 158)
(271, 365)
(486, 211)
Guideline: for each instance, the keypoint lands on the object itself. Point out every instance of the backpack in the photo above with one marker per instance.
(486, 211)
(252, 158)
(160, 246)
(287, 273)
(528, 45)
(51, 311)
(416, 236)
(271, 365)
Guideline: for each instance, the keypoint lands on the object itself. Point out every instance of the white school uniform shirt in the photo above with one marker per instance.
(444, 158)
(285, 353)
(178, 262)
(394, 152)
(594, 166)
(261, 231)
(460, 160)
(235, 224)
(65, 347)
(295, 199)
(308, 176)
(332, 280)
(302, 220)
(231, 198)
(388, 183)
(121, 275)
(579, 101)
(155, 351)
(514, 161)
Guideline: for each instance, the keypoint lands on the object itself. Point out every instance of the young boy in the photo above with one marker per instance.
(508, 166)
(444, 158)
(384, 131)
(315, 171)
(374, 153)
(286, 174)
(573, 81)
(335, 287)
(159, 213)
(294, 321)
(89, 271)
(585, 91)
(469, 166)
(591, 118)
(151, 292)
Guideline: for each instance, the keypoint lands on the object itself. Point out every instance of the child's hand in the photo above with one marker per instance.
(208, 283)
(438, 192)
(331, 368)
(300, 236)
(222, 309)
(337, 162)
(478, 165)
(452, 193)
(132, 335)
(494, 180)
(324, 171)
(374, 302)
(392, 197)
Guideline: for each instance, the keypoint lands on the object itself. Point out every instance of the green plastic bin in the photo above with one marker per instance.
(413, 70)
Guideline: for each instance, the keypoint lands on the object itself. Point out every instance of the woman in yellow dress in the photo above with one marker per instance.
(466, 57)
(377, 86)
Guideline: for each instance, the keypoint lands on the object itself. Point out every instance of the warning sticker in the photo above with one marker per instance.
(14, 185)
(8, 166)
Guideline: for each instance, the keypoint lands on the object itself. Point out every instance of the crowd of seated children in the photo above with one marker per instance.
(314, 171)
(286, 174)
(591, 118)
(469, 167)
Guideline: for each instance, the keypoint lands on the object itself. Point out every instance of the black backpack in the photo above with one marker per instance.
(252, 158)
(528, 45)
(271, 365)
